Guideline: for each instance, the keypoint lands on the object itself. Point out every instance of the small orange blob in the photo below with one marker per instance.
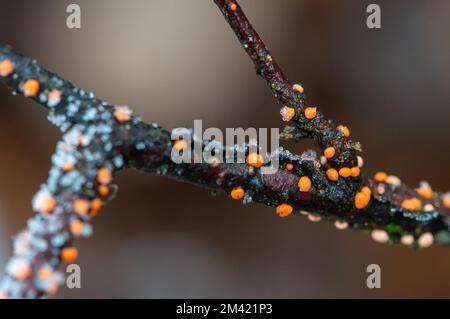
(332, 174)
(380, 177)
(366, 190)
(180, 145)
(310, 112)
(54, 97)
(214, 161)
(345, 172)
(122, 113)
(361, 200)
(284, 210)
(393, 180)
(104, 176)
(96, 204)
(80, 206)
(76, 227)
(329, 152)
(412, 204)
(69, 254)
(381, 189)
(255, 160)
(380, 236)
(30, 88)
(298, 88)
(344, 130)
(6, 68)
(67, 167)
(44, 272)
(304, 184)
(425, 240)
(355, 171)
(237, 192)
(103, 190)
(446, 200)
(425, 191)
(233, 7)
(360, 161)
(407, 239)
(287, 113)
(47, 204)
(289, 166)
(3, 294)
(22, 270)
(52, 289)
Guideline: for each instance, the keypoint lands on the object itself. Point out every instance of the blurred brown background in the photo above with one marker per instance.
(176, 61)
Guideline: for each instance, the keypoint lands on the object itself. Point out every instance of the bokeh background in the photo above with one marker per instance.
(174, 61)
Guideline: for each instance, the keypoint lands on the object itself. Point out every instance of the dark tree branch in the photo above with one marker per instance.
(324, 133)
(99, 139)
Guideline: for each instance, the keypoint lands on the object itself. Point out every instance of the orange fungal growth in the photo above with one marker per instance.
(381, 189)
(329, 152)
(104, 176)
(298, 88)
(413, 204)
(361, 200)
(310, 112)
(407, 239)
(380, 236)
(355, 171)
(80, 206)
(345, 172)
(341, 225)
(233, 7)
(366, 190)
(30, 88)
(314, 218)
(54, 97)
(96, 205)
(103, 190)
(214, 161)
(21, 270)
(44, 272)
(237, 192)
(6, 68)
(76, 227)
(52, 289)
(69, 254)
(425, 190)
(289, 166)
(332, 174)
(446, 200)
(47, 203)
(393, 180)
(360, 161)
(304, 184)
(67, 167)
(284, 210)
(122, 113)
(287, 113)
(180, 145)
(344, 130)
(255, 160)
(425, 240)
(380, 177)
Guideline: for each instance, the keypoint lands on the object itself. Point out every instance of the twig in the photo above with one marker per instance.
(99, 139)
